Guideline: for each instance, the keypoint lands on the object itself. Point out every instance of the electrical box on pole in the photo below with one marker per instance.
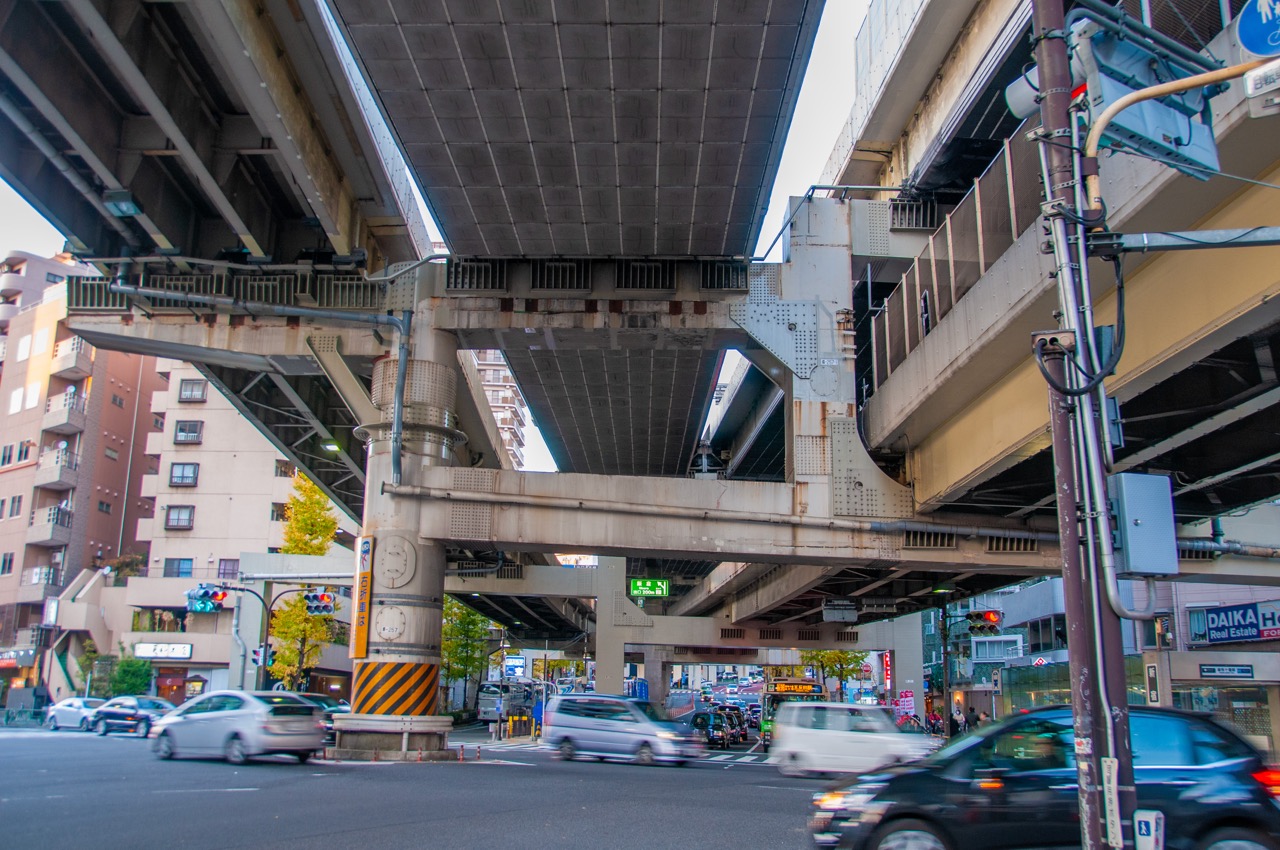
(1145, 539)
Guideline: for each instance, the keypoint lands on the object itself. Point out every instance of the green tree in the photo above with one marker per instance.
(131, 675)
(465, 646)
(309, 520)
(298, 638)
(837, 663)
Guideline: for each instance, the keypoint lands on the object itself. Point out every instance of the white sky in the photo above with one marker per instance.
(821, 111)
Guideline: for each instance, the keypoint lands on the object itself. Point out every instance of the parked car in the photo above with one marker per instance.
(834, 737)
(1214, 789)
(753, 714)
(72, 713)
(240, 724)
(617, 727)
(331, 706)
(129, 714)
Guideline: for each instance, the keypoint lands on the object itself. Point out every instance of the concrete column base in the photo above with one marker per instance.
(377, 737)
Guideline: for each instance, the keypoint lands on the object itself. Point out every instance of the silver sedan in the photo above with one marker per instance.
(72, 713)
(240, 724)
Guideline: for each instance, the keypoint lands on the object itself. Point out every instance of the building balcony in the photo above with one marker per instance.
(7, 312)
(65, 414)
(49, 527)
(12, 284)
(58, 470)
(38, 583)
(72, 359)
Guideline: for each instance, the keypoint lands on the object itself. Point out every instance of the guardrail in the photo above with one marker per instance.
(1002, 204)
(286, 289)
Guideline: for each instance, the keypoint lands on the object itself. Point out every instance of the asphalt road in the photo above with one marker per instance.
(73, 790)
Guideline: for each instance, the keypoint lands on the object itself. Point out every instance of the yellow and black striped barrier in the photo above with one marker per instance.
(396, 688)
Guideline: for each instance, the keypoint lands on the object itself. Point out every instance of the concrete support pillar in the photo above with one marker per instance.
(907, 659)
(611, 579)
(395, 693)
(657, 672)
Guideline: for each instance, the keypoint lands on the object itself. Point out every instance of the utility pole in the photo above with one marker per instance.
(946, 669)
(1100, 708)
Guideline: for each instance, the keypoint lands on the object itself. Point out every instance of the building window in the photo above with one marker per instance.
(191, 389)
(183, 474)
(179, 516)
(111, 453)
(997, 648)
(50, 277)
(118, 401)
(6, 563)
(1047, 634)
(1197, 625)
(189, 431)
(24, 451)
(15, 401)
(177, 568)
(277, 511)
(33, 394)
(1161, 627)
(158, 422)
(2, 504)
(285, 469)
(104, 507)
(229, 568)
(6, 455)
(24, 347)
(15, 506)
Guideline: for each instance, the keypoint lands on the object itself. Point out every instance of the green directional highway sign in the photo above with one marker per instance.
(650, 587)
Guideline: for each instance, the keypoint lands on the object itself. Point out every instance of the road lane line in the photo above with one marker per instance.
(201, 790)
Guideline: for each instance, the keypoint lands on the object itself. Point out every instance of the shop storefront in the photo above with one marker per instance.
(1032, 686)
(1238, 687)
(175, 681)
(17, 670)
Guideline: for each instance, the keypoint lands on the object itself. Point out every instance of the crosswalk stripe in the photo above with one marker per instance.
(718, 758)
(746, 758)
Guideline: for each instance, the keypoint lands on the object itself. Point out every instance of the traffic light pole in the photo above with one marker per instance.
(1099, 697)
(267, 608)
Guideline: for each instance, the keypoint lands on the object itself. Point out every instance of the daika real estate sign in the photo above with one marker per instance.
(1250, 621)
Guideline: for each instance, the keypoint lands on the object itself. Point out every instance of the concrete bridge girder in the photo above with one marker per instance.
(654, 517)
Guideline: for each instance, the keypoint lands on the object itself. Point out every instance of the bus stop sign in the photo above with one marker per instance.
(1258, 28)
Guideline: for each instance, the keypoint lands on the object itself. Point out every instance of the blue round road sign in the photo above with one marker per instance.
(1258, 27)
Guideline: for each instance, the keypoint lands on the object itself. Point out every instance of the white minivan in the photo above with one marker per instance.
(833, 737)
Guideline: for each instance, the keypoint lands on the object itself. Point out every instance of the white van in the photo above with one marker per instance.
(834, 737)
(617, 727)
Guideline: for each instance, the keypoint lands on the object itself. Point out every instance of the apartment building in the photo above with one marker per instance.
(510, 411)
(73, 422)
(219, 488)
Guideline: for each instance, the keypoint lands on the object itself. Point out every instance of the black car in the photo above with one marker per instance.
(129, 714)
(1013, 785)
(713, 728)
(331, 706)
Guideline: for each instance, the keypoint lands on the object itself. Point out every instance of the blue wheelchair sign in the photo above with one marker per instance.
(1258, 27)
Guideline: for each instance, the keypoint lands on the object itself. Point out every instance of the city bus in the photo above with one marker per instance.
(778, 691)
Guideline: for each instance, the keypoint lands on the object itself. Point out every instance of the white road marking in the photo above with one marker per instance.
(718, 758)
(201, 790)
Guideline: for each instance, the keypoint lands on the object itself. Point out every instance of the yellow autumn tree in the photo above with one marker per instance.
(309, 521)
(298, 641)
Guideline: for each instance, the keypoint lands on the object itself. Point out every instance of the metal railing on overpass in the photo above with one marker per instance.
(1003, 203)
(323, 290)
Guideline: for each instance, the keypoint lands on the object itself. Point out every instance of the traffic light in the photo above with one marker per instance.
(271, 655)
(258, 656)
(319, 600)
(205, 599)
(984, 623)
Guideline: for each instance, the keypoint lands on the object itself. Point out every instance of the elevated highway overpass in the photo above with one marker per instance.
(600, 176)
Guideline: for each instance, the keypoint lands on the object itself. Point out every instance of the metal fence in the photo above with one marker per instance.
(1003, 203)
(289, 289)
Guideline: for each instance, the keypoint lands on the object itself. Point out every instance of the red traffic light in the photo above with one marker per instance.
(218, 596)
(325, 598)
(991, 616)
